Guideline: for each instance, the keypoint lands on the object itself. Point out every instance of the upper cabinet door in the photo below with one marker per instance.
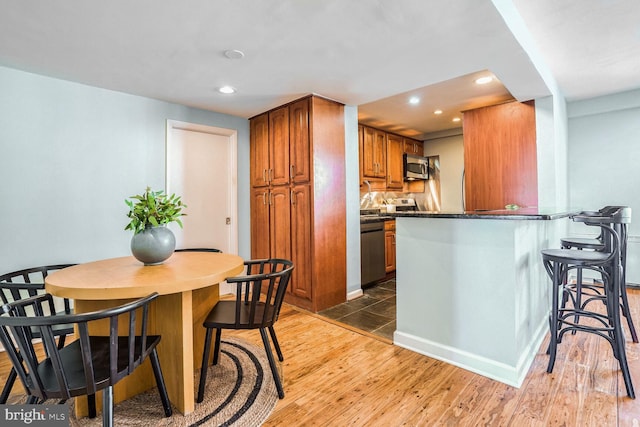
(369, 165)
(411, 146)
(259, 143)
(279, 146)
(299, 144)
(380, 153)
(394, 162)
(374, 153)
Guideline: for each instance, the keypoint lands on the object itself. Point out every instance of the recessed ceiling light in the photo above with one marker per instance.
(437, 112)
(234, 54)
(456, 119)
(226, 89)
(484, 80)
(414, 100)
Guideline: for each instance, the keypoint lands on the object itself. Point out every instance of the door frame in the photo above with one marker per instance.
(232, 137)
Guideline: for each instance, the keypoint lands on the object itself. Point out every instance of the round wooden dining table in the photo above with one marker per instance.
(188, 284)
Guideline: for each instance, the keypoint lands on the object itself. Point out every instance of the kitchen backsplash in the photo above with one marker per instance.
(427, 201)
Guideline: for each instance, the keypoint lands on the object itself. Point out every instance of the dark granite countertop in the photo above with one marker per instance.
(515, 214)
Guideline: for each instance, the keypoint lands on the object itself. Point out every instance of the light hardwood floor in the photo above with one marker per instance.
(334, 376)
(337, 377)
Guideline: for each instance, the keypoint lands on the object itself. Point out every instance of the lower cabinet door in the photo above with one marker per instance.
(260, 247)
(280, 222)
(390, 251)
(300, 285)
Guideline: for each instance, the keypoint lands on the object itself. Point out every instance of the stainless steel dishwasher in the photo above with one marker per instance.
(372, 266)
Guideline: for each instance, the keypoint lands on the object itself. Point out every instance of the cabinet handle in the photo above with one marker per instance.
(264, 198)
(270, 175)
(264, 175)
(292, 169)
(293, 198)
(394, 238)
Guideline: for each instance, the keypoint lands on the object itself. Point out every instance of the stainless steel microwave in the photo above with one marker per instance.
(415, 167)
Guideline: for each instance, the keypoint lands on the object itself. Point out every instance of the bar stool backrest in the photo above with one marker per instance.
(613, 226)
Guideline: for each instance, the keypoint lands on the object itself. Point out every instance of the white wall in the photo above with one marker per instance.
(71, 154)
(604, 159)
(450, 148)
(551, 157)
(352, 166)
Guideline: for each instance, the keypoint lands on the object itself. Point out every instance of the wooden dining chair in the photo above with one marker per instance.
(26, 283)
(258, 299)
(89, 363)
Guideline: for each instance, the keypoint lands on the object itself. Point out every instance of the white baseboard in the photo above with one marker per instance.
(354, 294)
(530, 353)
(510, 375)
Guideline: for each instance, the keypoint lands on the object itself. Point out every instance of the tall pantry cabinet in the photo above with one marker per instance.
(298, 200)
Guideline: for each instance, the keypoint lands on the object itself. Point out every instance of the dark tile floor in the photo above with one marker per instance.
(373, 312)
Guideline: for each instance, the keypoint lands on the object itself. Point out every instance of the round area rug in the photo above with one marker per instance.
(240, 391)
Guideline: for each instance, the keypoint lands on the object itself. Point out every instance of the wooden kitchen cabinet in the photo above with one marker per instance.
(299, 144)
(374, 154)
(279, 171)
(260, 206)
(373, 143)
(280, 146)
(259, 150)
(269, 148)
(301, 217)
(281, 228)
(500, 156)
(390, 246)
(395, 174)
(412, 146)
(301, 243)
(280, 222)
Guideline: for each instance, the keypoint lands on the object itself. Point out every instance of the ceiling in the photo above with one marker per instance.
(371, 53)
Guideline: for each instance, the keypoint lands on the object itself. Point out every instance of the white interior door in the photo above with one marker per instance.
(202, 168)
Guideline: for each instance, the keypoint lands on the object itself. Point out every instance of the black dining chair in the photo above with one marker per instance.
(89, 363)
(258, 298)
(29, 282)
(26, 283)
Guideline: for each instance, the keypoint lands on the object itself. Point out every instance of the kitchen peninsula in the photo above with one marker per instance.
(471, 287)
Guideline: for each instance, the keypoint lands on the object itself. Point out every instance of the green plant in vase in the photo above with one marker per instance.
(149, 213)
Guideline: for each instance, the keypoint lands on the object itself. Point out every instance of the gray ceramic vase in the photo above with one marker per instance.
(153, 245)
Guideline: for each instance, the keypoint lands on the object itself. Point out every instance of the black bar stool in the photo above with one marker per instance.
(595, 290)
(607, 263)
